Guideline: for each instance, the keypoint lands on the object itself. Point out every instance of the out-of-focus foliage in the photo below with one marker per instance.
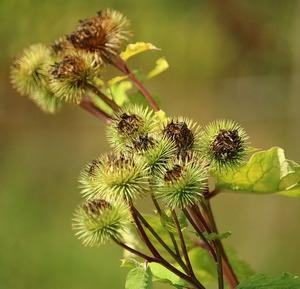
(238, 61)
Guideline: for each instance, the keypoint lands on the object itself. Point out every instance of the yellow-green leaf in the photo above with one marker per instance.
(139, 278)
(160, 66)
(136, 48)
(266, 172)
(286, 281)
(118, 91)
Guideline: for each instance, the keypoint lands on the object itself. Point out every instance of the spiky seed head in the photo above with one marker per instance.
(62, 47)
(103, 34)
(129, 124)
(143, 143)
(183, 183)
(70, 78)
(29, 70)
(125, 177)
(98, 221)
(158, 154)
(90, 179)
(46, 101)
(224, 144)
(184, 133)
(115, 176)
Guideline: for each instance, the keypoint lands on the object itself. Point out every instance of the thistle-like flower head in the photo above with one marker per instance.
(97, 221)
(90, 179)
(156, 153)
(224, 144)
(29, 70)
(184, 133)
(62, 47)
(103, 34)
(183, 182)
(70, 77)
(115, 176)
(131, 124)
(46, 100)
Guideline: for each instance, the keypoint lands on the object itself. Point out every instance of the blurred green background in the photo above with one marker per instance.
(233, 59)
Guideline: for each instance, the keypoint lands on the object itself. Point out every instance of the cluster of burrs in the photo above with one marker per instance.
(70, 69)
(168, 160)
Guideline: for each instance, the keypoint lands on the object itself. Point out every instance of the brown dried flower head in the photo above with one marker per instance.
(184, 133)
(103, 33)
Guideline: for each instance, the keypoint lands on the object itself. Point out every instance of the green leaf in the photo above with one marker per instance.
(215, 236)
(136, 48)
(139, 278)
(129, 263)
(240, 267)
(259, 281)
(118, 91)
(203, 265)
(266, 172)
(163, 275)
(160, 67)
(139, 99)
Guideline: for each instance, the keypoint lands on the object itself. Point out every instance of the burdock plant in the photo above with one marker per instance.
(171, 162)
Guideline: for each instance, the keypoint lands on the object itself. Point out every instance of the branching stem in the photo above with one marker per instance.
(228, 270)
(105, 98)
(163, 215)
(183, 245)
(120, 64)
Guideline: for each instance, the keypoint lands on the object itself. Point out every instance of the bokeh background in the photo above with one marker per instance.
(228, 58)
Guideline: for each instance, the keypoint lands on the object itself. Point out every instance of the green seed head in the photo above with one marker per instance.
(183, 183)
(69, 78)
(98, 221)
(224, 144)
(131, 127)
(158, 154)
(46, 101)
(115, 176)
(29, 70)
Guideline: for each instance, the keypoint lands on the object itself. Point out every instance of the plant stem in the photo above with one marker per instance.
(200, 233)
(158, 257)
(142, 231)
(120, 64)
(183, 245)
(162, 215)
(158, 238)
(131, 250)
(104, 97)
(228, 270)
(202, 223)
(89, 106)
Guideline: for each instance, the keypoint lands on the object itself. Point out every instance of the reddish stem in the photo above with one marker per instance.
(89, 106)
(119, 63)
